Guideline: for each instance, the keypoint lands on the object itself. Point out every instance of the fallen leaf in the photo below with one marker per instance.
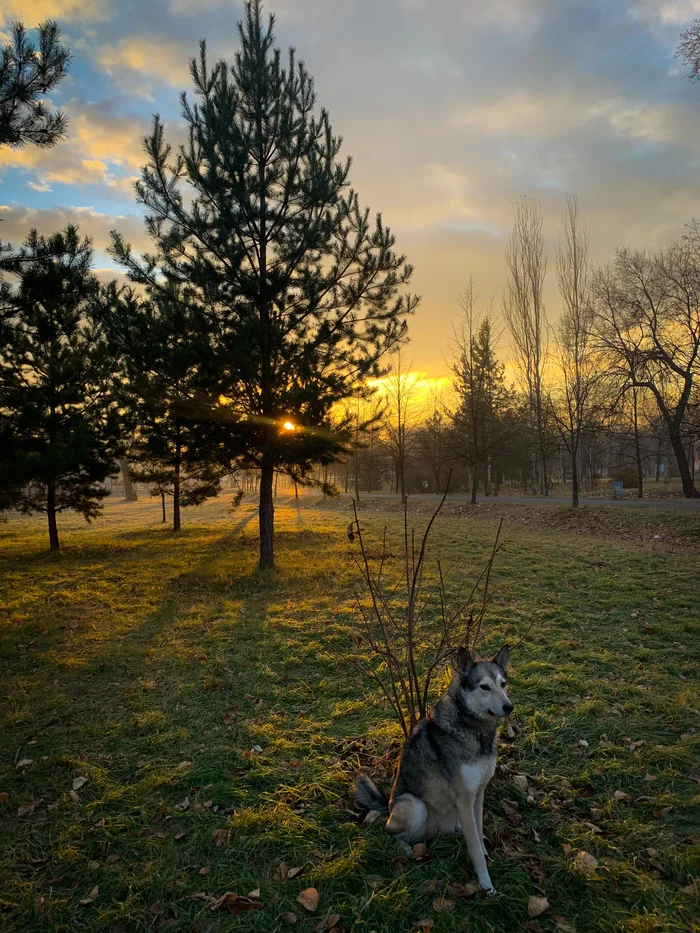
(113, 858)
(662, 813)
(254, 895)
(180, 835)
(421, 852)
(281, 872)
(443, 905)
(28, 807)
(235, 904)
(520, 781)
(425, 925)
(79, 782)
(562, 924)
(397, 864)
(204, 870)
(24, 763)
(73, 796)
(622, 796)
(567, 849)
(372, 817)
(333, 920)
(695, 776)
(537, 905)
(509, 807)
(586, 862)
(649, 777)
(692, 888)
(93, 865)
(458, 889)
(289, 917)
(221, 837)
(294, 872)
(4, 797)
(92, 896)
(588, 790)
(309, 899)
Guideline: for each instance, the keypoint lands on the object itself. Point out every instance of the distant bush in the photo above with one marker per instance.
(627, 475)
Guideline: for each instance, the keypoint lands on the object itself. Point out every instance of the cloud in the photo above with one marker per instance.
(33, 12)
(666, 12)
(18, 220)
(34, 187)
(103, 147)
(135, 56)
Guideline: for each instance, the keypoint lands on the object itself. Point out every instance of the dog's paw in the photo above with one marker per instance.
(488, 891)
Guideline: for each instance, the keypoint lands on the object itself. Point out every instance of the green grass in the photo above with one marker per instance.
(152, 664)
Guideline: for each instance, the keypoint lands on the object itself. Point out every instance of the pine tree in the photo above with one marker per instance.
(56, 380)
(163, 342)
(27, 74)
(256, 215)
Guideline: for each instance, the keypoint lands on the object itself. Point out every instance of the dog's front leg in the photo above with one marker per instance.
(474, 843)
(479, 817)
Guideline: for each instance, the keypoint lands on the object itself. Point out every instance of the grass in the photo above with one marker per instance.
(157, 665)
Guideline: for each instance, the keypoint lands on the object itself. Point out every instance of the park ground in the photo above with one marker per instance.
(176, 726)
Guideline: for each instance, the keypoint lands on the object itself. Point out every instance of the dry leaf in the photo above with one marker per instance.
(331, 921)
(649, 777)
(281, 872)
(24, 763)
(622, 796)
(180, 835)
(372, 817)
(73, 796)
(586, 862)
(204, 870)
(221, 838)
(520, 781)
(457, 889)
(443, 905)
(567, 849)
(588, 790)
(294, 872)
(309, 899)
(184, 765)
(562, 924)
(113, 858)
(425, 925)
(421, 852)
(255, 895)
(509, 807)
(4, 797)
(92, 896)
(692, 888)
(537, 905)
(289, 917)
(235, 904)
(79, 782)
(664, 812)
(28, 807)
(93, 865)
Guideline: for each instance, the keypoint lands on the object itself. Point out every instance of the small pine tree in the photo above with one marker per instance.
(256, 215)
(163, 345)
(56, 399)
(27, 74)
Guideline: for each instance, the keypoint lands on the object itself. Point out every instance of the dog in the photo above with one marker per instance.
(447, 761)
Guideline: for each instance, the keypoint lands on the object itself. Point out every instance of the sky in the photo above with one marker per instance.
(451, 109)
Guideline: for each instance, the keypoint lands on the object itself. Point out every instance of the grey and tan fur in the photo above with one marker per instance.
(447, 761)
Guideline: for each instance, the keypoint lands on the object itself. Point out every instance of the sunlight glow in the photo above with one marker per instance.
(288, 426)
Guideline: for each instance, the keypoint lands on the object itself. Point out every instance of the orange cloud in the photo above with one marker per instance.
(165, 60)
(33, 12)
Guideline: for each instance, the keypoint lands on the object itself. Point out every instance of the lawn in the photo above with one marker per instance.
(160, 696)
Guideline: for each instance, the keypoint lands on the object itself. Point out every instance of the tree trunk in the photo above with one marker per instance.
(176, 504)
(130, 494)
(162, 505)
(683, 465)
(574, 480)
(51, 514)
(357, 484)
(267, 518)
(474, 486)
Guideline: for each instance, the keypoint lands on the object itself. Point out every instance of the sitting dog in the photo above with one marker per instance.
(447, 761)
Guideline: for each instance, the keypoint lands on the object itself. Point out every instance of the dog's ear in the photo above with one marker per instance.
(502, 658)
(465, 662)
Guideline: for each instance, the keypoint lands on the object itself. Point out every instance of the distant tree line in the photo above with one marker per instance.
(250, 336)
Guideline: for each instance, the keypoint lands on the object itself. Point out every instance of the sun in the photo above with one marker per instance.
(288, 426)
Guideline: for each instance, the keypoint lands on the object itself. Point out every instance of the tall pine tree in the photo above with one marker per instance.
(256, 215)
(57, 405)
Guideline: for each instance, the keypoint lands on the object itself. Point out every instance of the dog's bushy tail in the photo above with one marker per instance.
(368, 795)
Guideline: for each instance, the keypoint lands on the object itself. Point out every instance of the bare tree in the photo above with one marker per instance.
(688, 51)
(575, 355)
(648, 321)
(524, 312)
(402, 418)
